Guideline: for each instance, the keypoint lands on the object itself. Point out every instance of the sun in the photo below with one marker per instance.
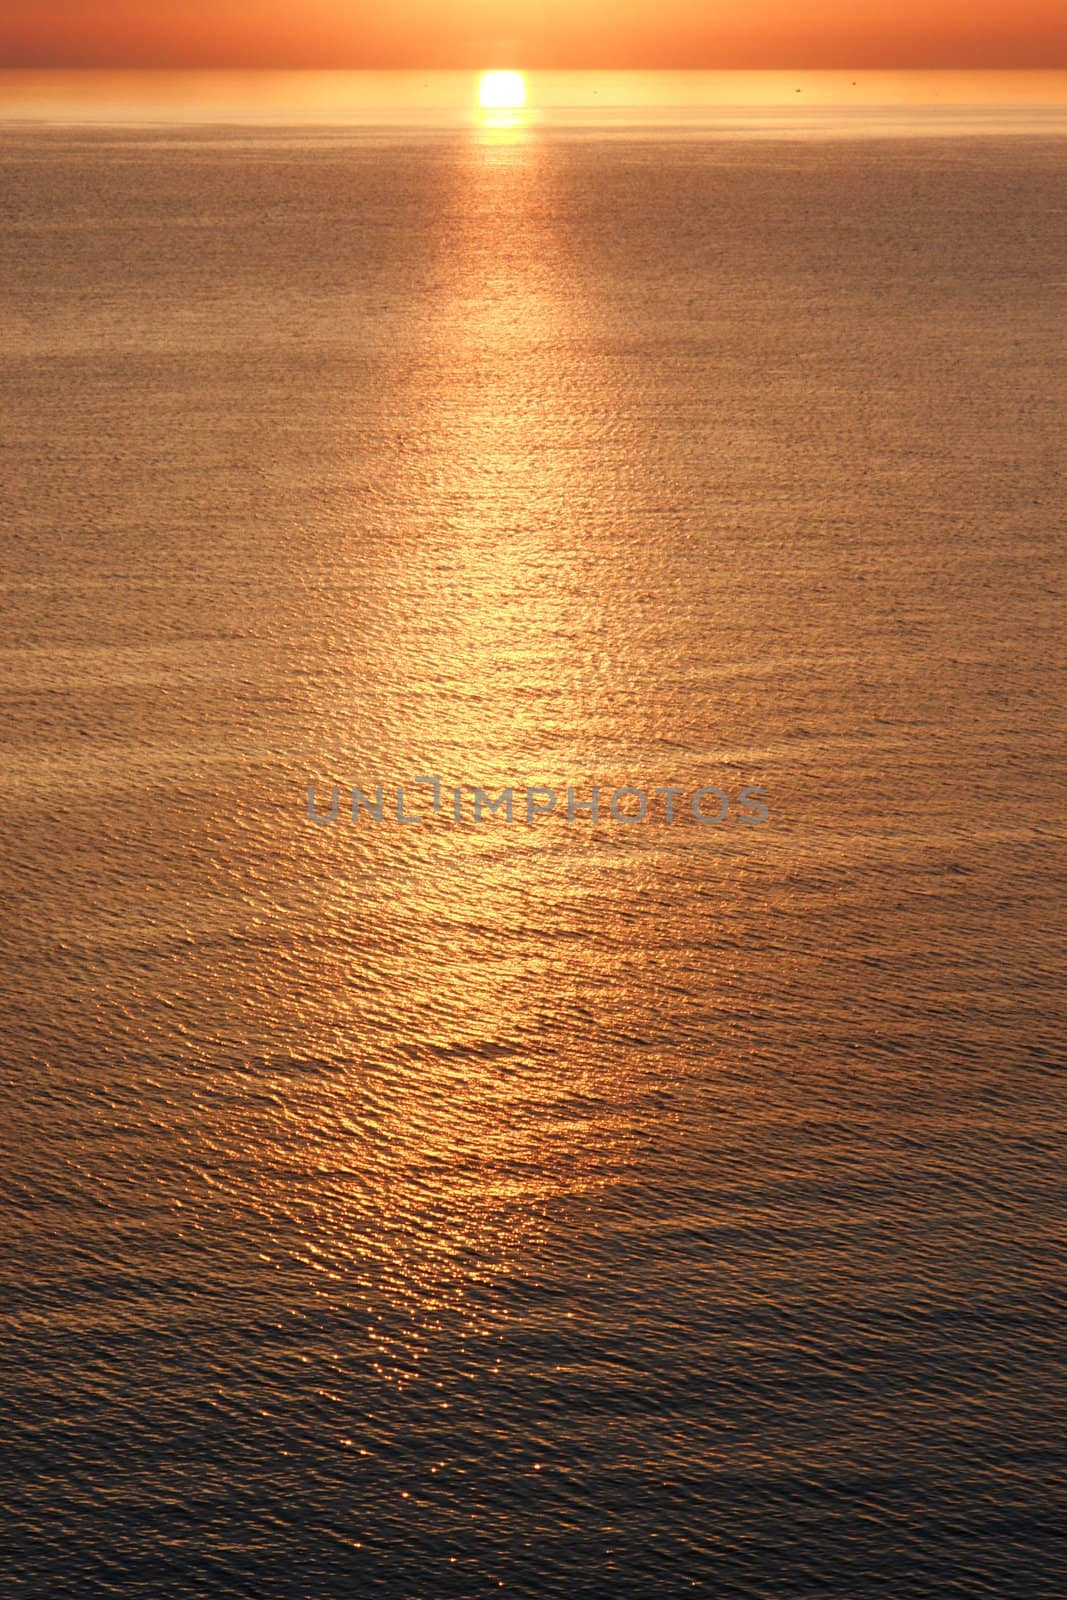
(502, 91)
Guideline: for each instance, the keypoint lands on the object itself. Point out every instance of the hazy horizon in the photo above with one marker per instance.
(996, 101)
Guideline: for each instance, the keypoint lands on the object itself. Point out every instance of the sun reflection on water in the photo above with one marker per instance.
(454, 957)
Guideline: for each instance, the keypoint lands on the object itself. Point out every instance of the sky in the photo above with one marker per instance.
(534, 33)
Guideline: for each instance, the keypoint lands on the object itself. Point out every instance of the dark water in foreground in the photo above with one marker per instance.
(621, 1211)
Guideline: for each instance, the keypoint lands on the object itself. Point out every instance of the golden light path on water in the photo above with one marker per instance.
(477, 609)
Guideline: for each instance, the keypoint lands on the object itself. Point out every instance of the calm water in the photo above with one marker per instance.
(569, 1211)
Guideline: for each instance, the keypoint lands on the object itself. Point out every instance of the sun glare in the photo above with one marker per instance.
(502, 91)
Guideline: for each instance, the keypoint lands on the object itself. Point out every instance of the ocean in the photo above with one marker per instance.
(588, 1207)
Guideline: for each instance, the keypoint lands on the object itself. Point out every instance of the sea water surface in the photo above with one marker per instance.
(611, 1211)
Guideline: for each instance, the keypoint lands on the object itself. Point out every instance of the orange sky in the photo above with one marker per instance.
(534, 33)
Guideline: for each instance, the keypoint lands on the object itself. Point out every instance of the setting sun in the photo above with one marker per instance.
(502, 91)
